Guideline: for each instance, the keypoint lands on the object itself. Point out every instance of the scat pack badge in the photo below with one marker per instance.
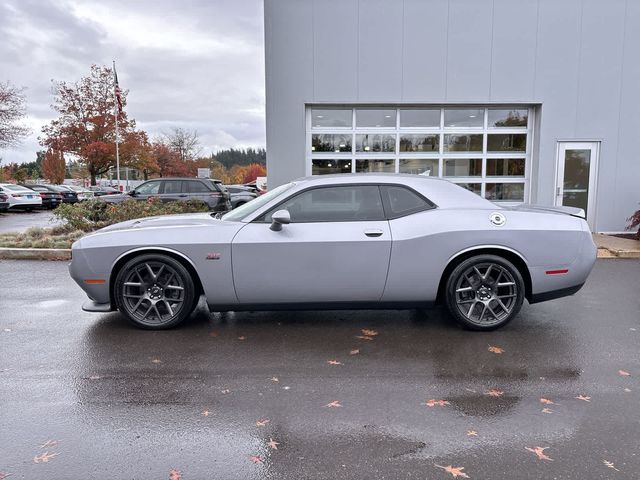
(497, 219)
(213, 256)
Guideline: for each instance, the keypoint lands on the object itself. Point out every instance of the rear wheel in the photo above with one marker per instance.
(484, 292)
(154, 291)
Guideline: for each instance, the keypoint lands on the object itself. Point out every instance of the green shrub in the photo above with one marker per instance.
(94, 214)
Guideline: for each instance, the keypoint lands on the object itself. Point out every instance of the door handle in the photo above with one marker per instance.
(183, 195)
(373, 232)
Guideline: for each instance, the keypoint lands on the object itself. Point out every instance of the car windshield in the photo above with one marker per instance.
(250, 207)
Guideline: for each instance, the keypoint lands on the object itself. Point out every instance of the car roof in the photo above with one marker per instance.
(440, 191)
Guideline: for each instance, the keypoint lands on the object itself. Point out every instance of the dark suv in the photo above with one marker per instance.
(211, 192)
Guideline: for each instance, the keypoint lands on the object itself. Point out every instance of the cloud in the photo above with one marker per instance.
(191, 64)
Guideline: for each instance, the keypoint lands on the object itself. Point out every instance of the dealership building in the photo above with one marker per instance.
(516, 100)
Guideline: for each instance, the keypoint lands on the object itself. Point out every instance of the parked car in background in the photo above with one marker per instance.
(68, 195)
(240, 195)
(51, 197)
(20, 198)
(210, 191)
(83, 193)
(4, 202)
(101, 191)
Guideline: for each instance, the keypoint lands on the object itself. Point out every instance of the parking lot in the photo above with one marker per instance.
(371, 394)
(20, 221)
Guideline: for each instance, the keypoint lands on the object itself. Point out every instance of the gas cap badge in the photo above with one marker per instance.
(497, 219)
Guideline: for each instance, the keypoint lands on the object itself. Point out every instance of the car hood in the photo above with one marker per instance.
(181, 220)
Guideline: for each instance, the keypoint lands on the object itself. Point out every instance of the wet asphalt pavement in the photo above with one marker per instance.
(87, 396)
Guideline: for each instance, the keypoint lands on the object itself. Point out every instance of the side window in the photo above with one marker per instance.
(149, 188)
(334, 204)
(197, 187)
(173, 186)
(401, 201)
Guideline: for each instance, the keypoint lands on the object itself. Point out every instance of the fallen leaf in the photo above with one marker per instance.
(95, 377)
(472, 433)
(496, 350)
(369, 333)
(455, 471)
(156, 360)
(584, 397)
(256, 459)
(546, 401)
(206, 413)
(242, 337)
(539, 451)
(262, 422)
(334, 404)
(623, 373)
(273, 444)
(627, 390)
(334, 362)
(49, 443)
(363, 337)
(432, 403)
(45, 457)
(5, 475)
(275, 379)
(610, 465)
(494, 393)
(355, 351)
(225, 391)
(471, 390)
(547, 410)
(174, 474)
(214, 334)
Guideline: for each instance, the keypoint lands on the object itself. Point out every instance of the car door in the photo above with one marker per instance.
(147, 189)
(173, 190)
(336, 249)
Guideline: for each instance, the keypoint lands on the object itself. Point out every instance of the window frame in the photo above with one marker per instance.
(386, 207)
(160, 187)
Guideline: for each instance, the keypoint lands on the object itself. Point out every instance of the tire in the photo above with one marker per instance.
(154, 292)
(484, 292)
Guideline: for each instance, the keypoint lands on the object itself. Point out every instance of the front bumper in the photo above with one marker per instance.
(95, 307)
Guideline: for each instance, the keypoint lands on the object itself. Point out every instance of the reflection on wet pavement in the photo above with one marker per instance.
(371, 394)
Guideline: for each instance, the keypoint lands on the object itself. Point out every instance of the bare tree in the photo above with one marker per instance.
(12, 109)
(185, 143)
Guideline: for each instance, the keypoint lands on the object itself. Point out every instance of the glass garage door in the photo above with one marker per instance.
(484, 149)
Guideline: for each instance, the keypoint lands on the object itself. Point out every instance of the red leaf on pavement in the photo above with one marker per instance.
(44, 458)
(494, 393)
(623, 373)
(433, 402)
(584, 398)
(334, 404)
(369, 333)
(256, 459)
(455, 471)
(334, 362)
(546, 401)
(355, 351)
(496, 350)
(262, 422)
(174, 474)
(539, 451)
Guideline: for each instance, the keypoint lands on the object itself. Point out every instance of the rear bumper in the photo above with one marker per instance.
(552, 295)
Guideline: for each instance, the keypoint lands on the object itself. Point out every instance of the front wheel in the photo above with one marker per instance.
(484, 292)
(154, 291)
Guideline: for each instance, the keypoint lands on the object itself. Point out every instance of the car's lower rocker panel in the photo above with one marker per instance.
(321, 306)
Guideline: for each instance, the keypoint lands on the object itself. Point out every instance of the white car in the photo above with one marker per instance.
(83, 193)
(20, 198)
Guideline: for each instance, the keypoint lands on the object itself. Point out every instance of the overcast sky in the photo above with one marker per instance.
(197, 64)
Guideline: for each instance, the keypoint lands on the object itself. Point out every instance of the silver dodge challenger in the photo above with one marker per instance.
(340, 242)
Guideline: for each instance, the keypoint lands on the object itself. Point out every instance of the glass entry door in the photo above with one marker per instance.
(576, 180)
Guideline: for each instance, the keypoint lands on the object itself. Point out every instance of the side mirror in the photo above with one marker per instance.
(279, 218)
(132, 193)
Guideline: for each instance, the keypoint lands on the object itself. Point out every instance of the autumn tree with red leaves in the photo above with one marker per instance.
(85, 126)
(53, 166)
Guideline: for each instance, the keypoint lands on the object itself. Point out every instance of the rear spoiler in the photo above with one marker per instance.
(573, 211)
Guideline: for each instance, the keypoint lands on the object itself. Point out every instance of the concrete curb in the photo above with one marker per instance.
(615, 247)
(35, 254)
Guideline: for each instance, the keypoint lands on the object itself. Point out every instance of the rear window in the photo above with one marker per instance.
(17, 188)
(197, 187)
(401, 201)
